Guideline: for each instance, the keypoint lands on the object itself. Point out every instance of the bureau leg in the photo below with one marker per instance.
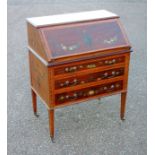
(123, 105)
(51, 124)
(34, 102)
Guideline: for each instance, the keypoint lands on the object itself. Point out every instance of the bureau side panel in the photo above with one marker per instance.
(35, 41)
(39, 74)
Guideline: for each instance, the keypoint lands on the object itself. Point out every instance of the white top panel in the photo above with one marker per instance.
(70, 18)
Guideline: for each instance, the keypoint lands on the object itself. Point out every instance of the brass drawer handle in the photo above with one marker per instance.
(67, 83)
(112, 86)
(110, 62)
(91, 66)
(71, 69)
(61, 98)
(117, 85)
(75, 95)
(105, 74)
(67, 69)
(67, 96)
(113, 73)
(61, 85)
(113, 60)
(75, 82)
(105, 88)
(91, 92)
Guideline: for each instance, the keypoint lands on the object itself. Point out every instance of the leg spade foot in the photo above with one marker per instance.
(53, 139)
(35, 113)
(123, 119)
(99, 101)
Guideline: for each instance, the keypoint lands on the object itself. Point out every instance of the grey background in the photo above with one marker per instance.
(83, 129)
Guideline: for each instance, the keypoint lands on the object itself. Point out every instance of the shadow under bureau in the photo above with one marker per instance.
(77, 57)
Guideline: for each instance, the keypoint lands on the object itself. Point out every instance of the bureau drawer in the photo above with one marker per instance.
(89, 65)
(89, 92)
(89, 78)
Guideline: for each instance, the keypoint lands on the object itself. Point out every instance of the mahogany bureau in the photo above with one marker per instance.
(77, 57)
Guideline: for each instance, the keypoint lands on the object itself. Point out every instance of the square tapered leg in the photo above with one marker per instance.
(51, 123)
(34, 102)
(123, 105)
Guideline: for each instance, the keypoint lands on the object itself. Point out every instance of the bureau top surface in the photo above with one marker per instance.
(70, 18)
(79, 34)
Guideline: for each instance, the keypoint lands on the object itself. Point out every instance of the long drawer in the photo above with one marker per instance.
(88, 78)
(87, 93)
(88, 66)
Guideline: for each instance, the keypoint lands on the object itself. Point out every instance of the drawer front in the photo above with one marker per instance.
(89, 65)
(89, 78)
(88, 92)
